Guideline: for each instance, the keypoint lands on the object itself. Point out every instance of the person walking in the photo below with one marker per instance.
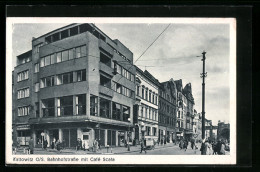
(53, 143)
(45, 144)
(95, 145)
(58, 145)
(142, 146)
(185, 145)
(31, 146)
(222, 148)
(203, 147)
(181, 144)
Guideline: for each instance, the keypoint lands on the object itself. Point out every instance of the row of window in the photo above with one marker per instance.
(64, 78)
(119, 112)
(180, 114)
(149, 96)
(23, 93)
(167, 96)
(148, 112)
(22, 75)
(23, 111)
(165, 107)
(123, 90)
(125, 73)
(63, 56)
(180, 124)
(148, 131)
(120, 54)
(166, 120)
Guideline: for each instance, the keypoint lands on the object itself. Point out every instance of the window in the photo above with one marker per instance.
(65, 78)
(23, 111)
(104, 81)
(56, 37)
(118, 69)
(137, 90)
(48, 107)
(154, 131)
(81, 104)
(93, 105)
(65, 106)
(65, 55)
(126, 113)
(23, 93)
(58, 57)
(64, 34)
(36, 67)
(150, 93)
(105, 59)
(150, 115)
(47, 82)
(71, 54)
(104, 108)
(22, 75)
(118, 88)
(47, 60)
(36, 87)
(132, 78)
(142, 111)
(148, 131)
(143, 92)
(37, 109)
(81, 75)
(74, 31)
(146, 94)
(153, 98)
(42, 62)
(116, 111)
(129, 76)
(37, 48)
(81, 51)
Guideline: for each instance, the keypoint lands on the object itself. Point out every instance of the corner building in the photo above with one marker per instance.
(82, 85)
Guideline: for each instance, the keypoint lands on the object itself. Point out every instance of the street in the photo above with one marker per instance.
(169, 149)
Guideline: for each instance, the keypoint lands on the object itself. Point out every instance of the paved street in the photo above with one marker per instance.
(169, 149)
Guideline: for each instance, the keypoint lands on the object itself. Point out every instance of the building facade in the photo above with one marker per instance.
(146, 105)
(167, 111)
(80, 84)
(181, 119)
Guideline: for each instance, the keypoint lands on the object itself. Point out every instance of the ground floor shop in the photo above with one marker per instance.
(69, 134)
(146, 130)
(21, 135)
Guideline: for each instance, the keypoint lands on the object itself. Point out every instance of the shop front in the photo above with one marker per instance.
(23, 135)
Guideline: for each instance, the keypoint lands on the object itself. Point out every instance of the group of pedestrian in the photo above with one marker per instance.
(183, 144)
(211, 148)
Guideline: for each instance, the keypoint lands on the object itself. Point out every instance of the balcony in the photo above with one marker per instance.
(105, 47)
(106, 91)
(105, 68)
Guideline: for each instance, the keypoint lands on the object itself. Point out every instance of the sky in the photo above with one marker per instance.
(173, 55)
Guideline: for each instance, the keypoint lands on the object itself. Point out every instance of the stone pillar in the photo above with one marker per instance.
(34, 137)
(105, 137)
(60, 135)
(116, 138)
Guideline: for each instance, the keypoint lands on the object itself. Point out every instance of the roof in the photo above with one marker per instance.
(148, 76)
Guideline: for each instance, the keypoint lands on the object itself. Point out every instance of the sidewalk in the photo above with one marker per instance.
(110, 150)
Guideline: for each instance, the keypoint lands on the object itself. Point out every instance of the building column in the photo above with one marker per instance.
(34, 137)
(60, 135)
(105, 137)
(116, 138)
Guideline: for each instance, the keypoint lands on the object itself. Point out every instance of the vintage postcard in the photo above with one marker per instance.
(121, 90)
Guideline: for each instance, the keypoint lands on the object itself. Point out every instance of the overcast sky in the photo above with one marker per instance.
(173, 55)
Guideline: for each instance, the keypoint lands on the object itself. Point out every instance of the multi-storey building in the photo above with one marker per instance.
(22, 99)
(146, 105)
(181, 119)
(167, 111)
(223, 131)
(77, 83)
(188, 106)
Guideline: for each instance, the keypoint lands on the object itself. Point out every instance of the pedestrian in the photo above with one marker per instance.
(53, 143)
(86, 145)
(45, 144)
(142, 146)
(185, 145)
(222, 148)
(58, 146)
(78, 144)
(181, 144)
(203, 147)
(95, 145)
(99, 144)
(31, 146)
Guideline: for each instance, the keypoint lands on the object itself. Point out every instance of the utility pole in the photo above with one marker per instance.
(203, 75)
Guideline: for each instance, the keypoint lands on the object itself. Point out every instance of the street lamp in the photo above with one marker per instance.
(128, 136)
(42, 134)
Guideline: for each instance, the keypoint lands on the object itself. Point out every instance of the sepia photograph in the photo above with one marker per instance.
(106, 90)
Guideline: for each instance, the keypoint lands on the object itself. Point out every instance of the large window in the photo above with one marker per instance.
(36, 87)
(65, 78)
(81, 51)
(81, 104)
(143, 92)
(48, 107)
(93, 105)
(65, 106)
(116, 111)
(23, 111)
(104, 81)
(126, 113)
(105, 59)
(23, 93)
(154, 131)
(36, 67)
(47, 82)
(104, 108)
(22, 75)
(81, 75)
(47, 60)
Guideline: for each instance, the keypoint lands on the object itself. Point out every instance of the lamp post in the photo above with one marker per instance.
(128, 135)
(42, 134)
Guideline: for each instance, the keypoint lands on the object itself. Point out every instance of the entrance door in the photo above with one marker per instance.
(54, 134)
(73, 137)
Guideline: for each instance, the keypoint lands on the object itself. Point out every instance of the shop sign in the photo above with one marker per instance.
(23, 127)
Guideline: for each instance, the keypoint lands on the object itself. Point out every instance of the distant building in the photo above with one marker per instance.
(197, 125)
(146, 108)
(223, 131)
(181, 119)
(167, 111)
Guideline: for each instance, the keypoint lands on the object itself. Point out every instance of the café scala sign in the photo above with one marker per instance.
(23, 127)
